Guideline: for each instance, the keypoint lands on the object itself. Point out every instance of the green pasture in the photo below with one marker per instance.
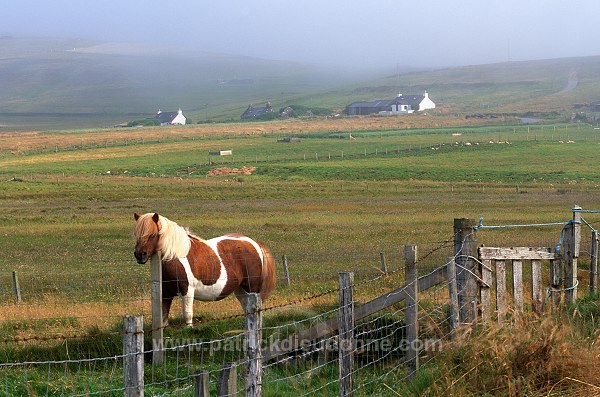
(67, 217)
(501, 154)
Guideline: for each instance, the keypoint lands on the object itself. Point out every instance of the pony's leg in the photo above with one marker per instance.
(166, 307)
(188, 306)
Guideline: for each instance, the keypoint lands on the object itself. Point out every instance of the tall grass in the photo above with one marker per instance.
(534, 356)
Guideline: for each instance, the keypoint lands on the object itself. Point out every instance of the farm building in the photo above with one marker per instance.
(254, 112)
(171, 118)
(402, 104)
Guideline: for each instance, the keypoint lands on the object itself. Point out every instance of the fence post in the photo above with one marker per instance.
(465, 248)
(286, 273)
(201, 384)
(412, 310)
(133, 356)
(555, 283)
(346, 334)
(253, 340)
(453, 294)
(594, 263)
(16, 287)
(571, 254)
(383, 264)
(157, 313)
(227, 385)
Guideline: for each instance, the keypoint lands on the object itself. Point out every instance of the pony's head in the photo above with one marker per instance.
(146, 234)
(154, 233)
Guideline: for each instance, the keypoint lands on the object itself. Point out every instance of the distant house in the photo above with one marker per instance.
(171, 118)
(402, 104)
(255, 112)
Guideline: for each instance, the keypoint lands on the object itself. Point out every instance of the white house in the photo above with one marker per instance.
(171, 118)
(410, 103)
(402, 104)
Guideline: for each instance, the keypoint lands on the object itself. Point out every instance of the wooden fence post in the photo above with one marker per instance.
(286, 273)
(346, 334)
(157, 313)
(594, 263)
(16, 287)
(555, 283)
(383, 264)
(227, 385)
(133, 356)
(453, 294)
(571, 253)
(465, 248)
(252, 344)
(412, 310)
(201, 384)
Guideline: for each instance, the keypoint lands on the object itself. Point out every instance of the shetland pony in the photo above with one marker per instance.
(207, 270)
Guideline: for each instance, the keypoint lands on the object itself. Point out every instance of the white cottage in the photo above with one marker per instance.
(402, 104)
(171, 118)
(410, 103)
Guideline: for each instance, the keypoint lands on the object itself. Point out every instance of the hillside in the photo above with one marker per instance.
(68, 83)
(544, 86)
(75, 83)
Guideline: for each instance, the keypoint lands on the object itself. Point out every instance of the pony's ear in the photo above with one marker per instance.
(136, 216)
(155, 217)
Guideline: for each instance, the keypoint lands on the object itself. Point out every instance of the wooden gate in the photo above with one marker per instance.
(494, 260)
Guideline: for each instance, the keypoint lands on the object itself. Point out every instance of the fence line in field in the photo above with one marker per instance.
(507, 133)
(29, 290)
(57, 370)
(383, 334)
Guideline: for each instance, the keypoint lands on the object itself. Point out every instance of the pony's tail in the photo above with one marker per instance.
(268, 273)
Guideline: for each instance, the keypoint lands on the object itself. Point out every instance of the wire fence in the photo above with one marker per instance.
(64, 341)
(85, 355)
(442, 139)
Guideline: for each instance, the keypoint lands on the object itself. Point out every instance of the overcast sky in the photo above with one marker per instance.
(350, 32)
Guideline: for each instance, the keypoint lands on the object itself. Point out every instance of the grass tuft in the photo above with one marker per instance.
(532, 357)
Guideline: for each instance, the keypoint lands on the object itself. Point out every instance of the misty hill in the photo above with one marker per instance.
(68, 83)
(111, 82)
(542, 87)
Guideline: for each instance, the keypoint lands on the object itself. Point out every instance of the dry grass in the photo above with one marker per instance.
(532, 357)
(23, 141)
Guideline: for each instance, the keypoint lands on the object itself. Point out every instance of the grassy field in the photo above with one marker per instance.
(377, 192)
(329, 203)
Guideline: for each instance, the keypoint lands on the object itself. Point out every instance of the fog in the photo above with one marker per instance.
(347, 34)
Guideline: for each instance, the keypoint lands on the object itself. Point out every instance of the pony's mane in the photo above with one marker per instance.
(174, 241)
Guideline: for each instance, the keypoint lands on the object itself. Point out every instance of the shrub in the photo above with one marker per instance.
(144, 122)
